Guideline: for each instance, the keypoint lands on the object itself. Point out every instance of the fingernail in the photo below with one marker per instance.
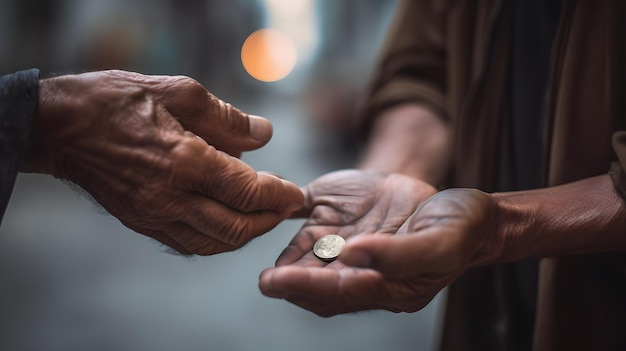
(260, 128)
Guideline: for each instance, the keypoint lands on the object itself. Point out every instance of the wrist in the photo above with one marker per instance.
(485, 236)
(58, 125)
(515, 227)
(409, 139)
(582, 217)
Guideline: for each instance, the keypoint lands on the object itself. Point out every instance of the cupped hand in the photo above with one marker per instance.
(351, 203)
(160, 154)
(402, 268)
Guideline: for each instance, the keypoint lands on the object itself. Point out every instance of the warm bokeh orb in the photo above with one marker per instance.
(268, 55)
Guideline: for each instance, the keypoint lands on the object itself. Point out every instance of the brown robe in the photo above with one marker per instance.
(453, 56)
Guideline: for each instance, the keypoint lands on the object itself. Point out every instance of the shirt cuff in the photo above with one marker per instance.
(18, 101)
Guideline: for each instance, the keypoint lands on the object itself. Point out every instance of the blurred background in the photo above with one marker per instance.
(76, 279)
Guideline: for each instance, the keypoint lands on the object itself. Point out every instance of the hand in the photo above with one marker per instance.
(400, 250)
(160, 154)
(350, 203)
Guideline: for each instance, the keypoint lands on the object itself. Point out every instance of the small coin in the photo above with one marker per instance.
(328, 247)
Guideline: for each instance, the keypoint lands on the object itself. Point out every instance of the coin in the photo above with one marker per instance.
(328, 247)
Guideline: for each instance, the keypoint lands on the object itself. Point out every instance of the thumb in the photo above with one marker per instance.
(393, 255)
(227, 128)
(307, 207)
(219, 123)
(234, 131)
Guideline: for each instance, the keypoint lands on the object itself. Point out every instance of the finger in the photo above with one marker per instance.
(307, 207)
(165, 240)
(270, 192)
(300, 248)
(200, 167)
(293, 254)
(186, 240)
(221, 223)
(234, 130)
(324, 291)
(197, 242)
(330, 310)
(239, 186)
(395, 256)
(216, 121)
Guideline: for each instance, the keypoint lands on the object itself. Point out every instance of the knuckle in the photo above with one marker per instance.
(184, 156)
(206, 244)
(233, 117)
(231, 120)
(237, 188)
(146, 201)
(226, 230)
(249, 197)
(185, 81)
(186, 97)
(233, 231)
(186, 146)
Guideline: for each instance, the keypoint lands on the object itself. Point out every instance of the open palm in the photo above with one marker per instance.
(350, 203)
(404, 244)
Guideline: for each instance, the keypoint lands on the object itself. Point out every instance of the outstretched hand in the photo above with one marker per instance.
(404, 244)
(352, 203)
(160, 153)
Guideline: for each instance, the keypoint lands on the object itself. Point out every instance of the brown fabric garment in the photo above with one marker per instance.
(453, 57)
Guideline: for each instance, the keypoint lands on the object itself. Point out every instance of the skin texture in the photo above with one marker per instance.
(403, 246)
(160, 153)
(351, 204)
(409, 139)
(406, 241)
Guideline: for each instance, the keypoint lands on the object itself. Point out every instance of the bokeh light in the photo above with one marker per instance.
(268, 55)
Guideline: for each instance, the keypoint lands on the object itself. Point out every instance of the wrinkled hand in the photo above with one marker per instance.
(160, 154)
(400, 251)
(350, 203)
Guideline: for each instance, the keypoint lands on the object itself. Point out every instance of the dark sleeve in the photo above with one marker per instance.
(411, 67)
(18, 100)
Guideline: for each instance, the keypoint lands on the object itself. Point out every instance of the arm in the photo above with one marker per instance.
(409, 139)
(450, 232)
(447, 233)
(404, 111)
(443, 236)
(472, 228)
(587, 216)
(160, 154)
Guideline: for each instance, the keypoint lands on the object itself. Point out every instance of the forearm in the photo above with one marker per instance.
(409, 139)
(587, 216)
(403, 111)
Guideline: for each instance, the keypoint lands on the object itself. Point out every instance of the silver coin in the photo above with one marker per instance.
(328, 247)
